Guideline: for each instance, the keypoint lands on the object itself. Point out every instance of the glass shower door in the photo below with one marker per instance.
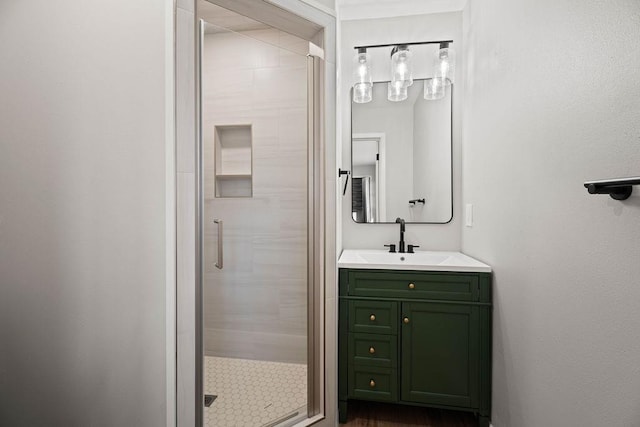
(255, 195)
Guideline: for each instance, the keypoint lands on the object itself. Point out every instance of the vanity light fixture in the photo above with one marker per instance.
(362, 81)
(397, 91)
(401, 72)
(401, 66)
(434, 89)
(445, 64)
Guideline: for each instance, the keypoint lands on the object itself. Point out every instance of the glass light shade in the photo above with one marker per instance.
(396, 92)
(362, 80)
(434, 89)
(362, 93)
(402, 66)
(445, 65)
(362, 68)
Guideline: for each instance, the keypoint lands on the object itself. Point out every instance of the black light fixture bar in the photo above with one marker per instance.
(440, 42)
(618, 189)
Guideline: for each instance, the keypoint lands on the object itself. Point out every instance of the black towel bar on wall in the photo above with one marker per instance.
(618, 189)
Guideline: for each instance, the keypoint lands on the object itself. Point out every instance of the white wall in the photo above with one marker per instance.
(552, 101)
(256, 306)
(82, 213)
(432, 159)
(396, 123)
(370, 9)
(390, 30)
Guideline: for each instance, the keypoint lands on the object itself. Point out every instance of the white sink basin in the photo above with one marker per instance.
(422, 260)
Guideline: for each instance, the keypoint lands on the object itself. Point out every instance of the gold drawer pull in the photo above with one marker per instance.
(405, 320)
(372, 383)
(372, 350)
(372, 317)
(412, 286)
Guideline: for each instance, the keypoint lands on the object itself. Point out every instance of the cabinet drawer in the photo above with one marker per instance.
(377, 317)
(410, 284)
(372, 383)
(373, 350)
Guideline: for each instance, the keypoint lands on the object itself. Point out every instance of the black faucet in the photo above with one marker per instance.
(402, 228)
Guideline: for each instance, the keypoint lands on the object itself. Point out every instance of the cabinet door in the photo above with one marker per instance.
(440, 354)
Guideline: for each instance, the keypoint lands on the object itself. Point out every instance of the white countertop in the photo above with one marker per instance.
(421, 260)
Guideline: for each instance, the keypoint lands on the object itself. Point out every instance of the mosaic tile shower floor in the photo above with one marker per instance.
(252, 393)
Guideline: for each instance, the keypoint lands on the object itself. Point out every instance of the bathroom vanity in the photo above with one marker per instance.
(415, 329)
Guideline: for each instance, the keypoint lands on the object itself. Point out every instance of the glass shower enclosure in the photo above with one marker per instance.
(258, 241)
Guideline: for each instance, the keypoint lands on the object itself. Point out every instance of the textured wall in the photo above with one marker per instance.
(553, 100)
(256, 307)
(82, 213)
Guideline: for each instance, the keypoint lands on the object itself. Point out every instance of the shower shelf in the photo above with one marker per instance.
(233, 161)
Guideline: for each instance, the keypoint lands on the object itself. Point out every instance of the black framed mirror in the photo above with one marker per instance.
(401, 157)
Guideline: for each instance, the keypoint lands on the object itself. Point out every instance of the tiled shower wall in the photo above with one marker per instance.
(255, 307)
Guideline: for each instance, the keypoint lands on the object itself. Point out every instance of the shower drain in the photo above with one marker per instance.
(208, 399)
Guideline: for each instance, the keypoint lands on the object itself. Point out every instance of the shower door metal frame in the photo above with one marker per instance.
(199, 311)
(316, 235)
(315, 227)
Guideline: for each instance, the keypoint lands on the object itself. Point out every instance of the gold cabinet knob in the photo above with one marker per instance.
(372, 317)
(372, 350)
(412, 286)
(372, 383)
(405, 320)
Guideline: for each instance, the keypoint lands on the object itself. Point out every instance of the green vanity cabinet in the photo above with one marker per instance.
(416, 338)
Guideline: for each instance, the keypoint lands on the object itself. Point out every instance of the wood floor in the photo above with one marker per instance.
(370, 414)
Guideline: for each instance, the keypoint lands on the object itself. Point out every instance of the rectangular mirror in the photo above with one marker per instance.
(401, 159)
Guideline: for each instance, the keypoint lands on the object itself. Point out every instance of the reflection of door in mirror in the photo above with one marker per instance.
(369, 195)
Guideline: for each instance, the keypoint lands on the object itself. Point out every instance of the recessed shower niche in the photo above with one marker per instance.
(233, 161)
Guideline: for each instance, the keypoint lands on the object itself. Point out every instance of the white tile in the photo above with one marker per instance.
(293, 51)
(236, 51)
(292, 124)
(270, 36)
(253, 392)
(280, 87)
(269, 346)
